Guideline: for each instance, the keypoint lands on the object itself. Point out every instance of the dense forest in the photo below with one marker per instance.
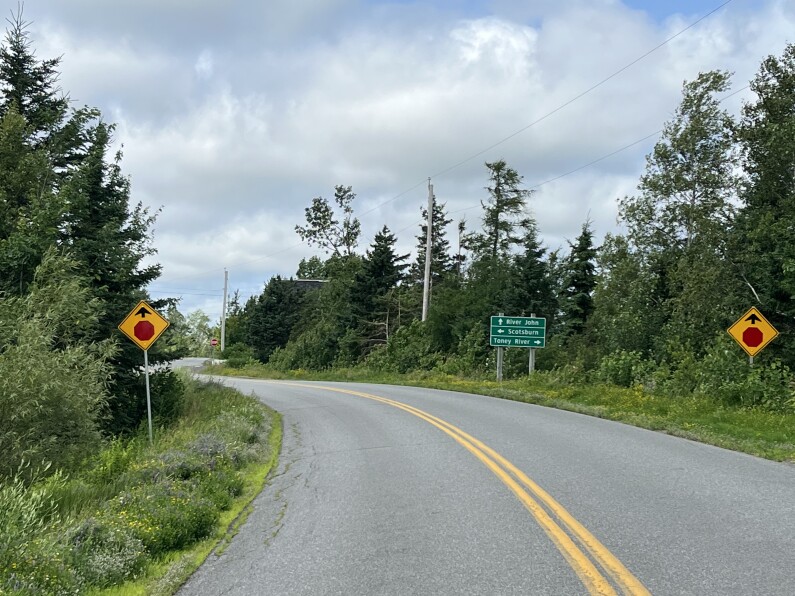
(708, 234)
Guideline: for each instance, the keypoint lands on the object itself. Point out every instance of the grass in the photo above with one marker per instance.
(755, 431)
(146, 514)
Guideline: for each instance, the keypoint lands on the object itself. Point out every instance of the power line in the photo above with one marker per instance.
(498, 143)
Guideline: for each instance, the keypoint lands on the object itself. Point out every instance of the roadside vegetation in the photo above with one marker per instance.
(696, 415)
(635, 322)
(134, 512)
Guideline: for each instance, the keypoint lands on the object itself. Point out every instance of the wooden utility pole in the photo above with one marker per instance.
(223, 312)
(426, 286)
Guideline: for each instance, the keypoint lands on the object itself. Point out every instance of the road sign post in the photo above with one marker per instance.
(517, 332)
(143, 326)
(752, 332)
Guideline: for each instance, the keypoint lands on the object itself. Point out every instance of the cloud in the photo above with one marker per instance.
(232, 119)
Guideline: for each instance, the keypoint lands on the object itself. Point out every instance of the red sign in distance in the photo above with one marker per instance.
(144, 330)
(213, 342)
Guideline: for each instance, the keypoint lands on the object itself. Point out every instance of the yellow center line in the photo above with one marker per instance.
(590, 576)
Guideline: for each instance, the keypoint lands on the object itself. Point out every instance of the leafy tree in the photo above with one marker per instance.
(690, 181)
(765, 241)
(312, 268)
(52, 381)
(680, 221)
(30, 213)
(323, 227)
(626, 315)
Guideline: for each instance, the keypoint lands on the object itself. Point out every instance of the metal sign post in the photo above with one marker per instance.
(143, 326)
(531, 365)
(500, 351)
(148, 394)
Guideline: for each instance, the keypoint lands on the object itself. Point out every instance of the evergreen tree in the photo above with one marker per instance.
(441, 261)
(373, 296)
(532, 288)
(503, 215)
(580, 281)
(273, 316)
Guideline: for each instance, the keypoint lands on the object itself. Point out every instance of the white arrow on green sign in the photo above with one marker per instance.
(518, 332)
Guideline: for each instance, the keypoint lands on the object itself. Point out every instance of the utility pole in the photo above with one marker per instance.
(426, 286)
(223, 312)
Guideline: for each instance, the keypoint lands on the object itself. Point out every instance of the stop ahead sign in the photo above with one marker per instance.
(143, 325)
(752, 332)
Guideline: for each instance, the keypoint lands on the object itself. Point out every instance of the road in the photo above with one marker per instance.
(399, 490)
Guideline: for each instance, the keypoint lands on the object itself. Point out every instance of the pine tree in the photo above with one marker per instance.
(532, 288)
(580, 281)
(503, 215)
(273, 316)
(441, 261)
(373, 296)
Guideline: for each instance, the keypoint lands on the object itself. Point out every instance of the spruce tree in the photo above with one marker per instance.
(580, 281)
(441, 260)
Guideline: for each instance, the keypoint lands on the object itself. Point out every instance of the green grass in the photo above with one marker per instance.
(749, 430)
(152, 513)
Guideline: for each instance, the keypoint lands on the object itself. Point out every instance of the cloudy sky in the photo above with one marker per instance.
(233, 115)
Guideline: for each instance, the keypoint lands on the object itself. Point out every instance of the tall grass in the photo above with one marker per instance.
(132, 504)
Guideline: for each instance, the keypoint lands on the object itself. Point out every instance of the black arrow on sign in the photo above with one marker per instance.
(143, 312)
(753, 318)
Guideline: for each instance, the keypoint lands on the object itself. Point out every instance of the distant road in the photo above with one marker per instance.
(399, 490)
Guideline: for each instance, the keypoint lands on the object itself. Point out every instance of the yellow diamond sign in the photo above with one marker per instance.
(143, 325)
(752, 332)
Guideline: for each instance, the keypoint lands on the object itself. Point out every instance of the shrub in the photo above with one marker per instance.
(409, 348)
(238, 355)
(105, 555)
(623, 368)
(31, 560)
(164, 516)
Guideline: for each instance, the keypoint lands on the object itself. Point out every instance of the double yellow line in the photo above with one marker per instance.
(559, 524)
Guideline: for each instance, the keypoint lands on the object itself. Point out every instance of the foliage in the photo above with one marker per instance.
(52, 383)
(408, 349)
(238, 355)
(764, 247)
(137, 502)
(323, 227)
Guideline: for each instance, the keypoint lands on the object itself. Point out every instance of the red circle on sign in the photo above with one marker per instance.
(753, 337)
(214, 342)
(144, 330)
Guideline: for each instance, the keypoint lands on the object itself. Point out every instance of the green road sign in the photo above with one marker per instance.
(518, 332)
(533, 322)
(518, 342)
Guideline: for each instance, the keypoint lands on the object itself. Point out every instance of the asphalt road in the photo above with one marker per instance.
(372, 497)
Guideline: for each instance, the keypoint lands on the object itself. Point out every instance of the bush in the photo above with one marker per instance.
(472, 357)
(624, 369)
(238, 355)
(164, 516)
(409, 348)
(31, 560)
(105, 555)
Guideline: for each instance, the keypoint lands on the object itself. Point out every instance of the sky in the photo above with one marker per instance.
(233, 116)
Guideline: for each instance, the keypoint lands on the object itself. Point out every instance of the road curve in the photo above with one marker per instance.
(399, 490)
